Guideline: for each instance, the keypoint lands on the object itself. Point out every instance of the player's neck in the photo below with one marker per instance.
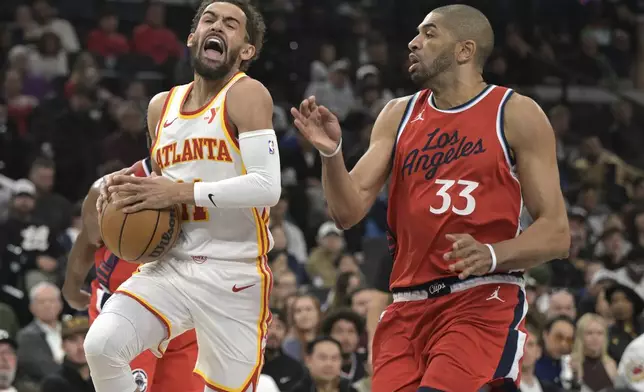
(203, 90)
(455, 90)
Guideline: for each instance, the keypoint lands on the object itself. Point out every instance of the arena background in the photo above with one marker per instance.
(76, 80)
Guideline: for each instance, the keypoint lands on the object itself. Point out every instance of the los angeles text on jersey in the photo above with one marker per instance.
(194, 149)
(440, 149)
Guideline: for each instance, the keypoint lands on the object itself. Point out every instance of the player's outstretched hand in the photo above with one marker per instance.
(143, 193)
(471, 256)
(104, 194)
(318, 125)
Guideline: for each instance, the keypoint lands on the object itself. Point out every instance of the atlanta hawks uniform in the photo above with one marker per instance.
(452, 173)
(216, 278)
(173, 371)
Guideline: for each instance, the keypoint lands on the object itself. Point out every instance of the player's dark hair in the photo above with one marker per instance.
(342, 314)
(255, 25)
(43, 162)
(310, 347)
(556, 319)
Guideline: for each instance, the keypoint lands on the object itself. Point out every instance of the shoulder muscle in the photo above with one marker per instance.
(155, 107)
(526, 123)
(249, 105)
(89, 215)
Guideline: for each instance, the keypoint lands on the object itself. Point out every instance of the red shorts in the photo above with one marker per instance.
(172, 372)
(459, 342)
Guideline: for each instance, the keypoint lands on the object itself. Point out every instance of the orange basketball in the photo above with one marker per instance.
(142, 236)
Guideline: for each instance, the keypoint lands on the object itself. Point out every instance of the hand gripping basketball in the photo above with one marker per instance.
(318, 125)
(104, 193)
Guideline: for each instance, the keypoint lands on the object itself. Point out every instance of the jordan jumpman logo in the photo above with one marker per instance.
(495, 295)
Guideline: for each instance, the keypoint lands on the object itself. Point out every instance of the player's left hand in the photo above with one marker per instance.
(143, 193)
(473, 257)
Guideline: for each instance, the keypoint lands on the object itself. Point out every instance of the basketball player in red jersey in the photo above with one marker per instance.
(171, 373)
(465, 157)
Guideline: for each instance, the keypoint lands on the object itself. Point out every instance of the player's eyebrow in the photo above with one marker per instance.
(427, 26)
(225, 18)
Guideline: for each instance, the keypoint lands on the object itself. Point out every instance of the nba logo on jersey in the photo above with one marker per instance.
(271, 147)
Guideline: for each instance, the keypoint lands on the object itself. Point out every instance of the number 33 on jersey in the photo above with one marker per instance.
(452, 172)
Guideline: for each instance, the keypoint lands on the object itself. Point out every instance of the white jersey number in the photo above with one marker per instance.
(466, 193)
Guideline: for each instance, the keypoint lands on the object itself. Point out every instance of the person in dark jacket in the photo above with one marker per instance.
(286, 371)
(324, 363)
(73, 375)
(626, 306)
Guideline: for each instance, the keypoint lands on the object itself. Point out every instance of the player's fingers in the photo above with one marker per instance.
(312, 103)
(126, 202)
(130, 209)
(298, 116)
(121, 179)
(459, 253)
(303, 129)
(305, 107)
(126, 188)
(326, 114)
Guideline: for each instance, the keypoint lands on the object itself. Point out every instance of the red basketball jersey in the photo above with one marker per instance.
(110, 270)
(453, 172)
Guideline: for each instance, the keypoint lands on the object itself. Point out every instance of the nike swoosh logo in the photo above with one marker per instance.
(210, 196)
(167, 124)
(238, 289)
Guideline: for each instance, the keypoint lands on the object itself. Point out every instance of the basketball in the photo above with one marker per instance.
(142, 236)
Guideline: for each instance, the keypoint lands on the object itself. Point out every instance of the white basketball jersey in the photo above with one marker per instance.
(201, 146)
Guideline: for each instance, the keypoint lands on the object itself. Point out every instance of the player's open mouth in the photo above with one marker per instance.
(414, 62)
(214, 48)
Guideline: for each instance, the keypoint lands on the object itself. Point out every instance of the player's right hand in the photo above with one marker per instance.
(104, 193)
(318, 125)
(76, 298)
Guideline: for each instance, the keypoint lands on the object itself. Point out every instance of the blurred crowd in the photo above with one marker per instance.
(76, 77)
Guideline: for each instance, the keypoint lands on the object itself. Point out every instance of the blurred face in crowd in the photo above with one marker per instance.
(226, 24)
(73, 347)
(306, 315)
(354, 283)
(279, 264)
(155, 15)
(12, 84)
(621, 306)
(8, 364)
(332, 242)
(109, 24)
(276, 334)
(23, 204)
(327, 53)
(286, 285)
(591, 148)
(136, 91)
(131, 119)
(23, 15)
(614, 242)
(562, 303)
(43, 178)
(278, 212)
(279, 236)
(594, 338)
(338, 78)
(558, 341)
(589, 199)
(360, 301)
(531, 351)
(345, 332)
(43, 10)
(49, 44)
(348, 263)
(46, 305)
(325, 362)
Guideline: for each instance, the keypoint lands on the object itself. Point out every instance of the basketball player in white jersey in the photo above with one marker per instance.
(216, 154)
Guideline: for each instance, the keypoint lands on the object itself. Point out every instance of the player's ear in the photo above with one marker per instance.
(247, 52)
(191, 38)
(465, 51)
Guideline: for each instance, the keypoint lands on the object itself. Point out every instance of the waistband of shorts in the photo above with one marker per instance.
(444, 286)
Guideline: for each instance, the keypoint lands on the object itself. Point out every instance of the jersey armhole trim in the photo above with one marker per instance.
(159, 127)
(500, 129)
(403, 122)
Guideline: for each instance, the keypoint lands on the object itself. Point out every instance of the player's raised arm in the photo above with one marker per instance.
(81, 257)
(350, 195)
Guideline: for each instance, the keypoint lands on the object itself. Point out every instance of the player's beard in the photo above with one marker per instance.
(6, 378)
(209, 72)
(443, 61)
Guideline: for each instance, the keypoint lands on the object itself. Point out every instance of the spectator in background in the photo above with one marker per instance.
(26, 30)
(531, 353)
(105, 40)
(347, 327)
(612, 249)
(557, 341)
(19, 105)
(49, 61)
(284, 287)
(304, 322)
(324, 361)
(73, 375)
(360, 300)
(286, 371)
(637, 228)
(8, 362)
(296, 243)
(40, 349)
(339, 296)
(51, 208)
(32, 85)
(136, 93)
(153, 39)
(629, 371)
(321, 266)
(336, 93)
(593, 367)
(562, 303)
(320, 67)
(128, 144)
(46, 15)
(626, 306)
(81, 75)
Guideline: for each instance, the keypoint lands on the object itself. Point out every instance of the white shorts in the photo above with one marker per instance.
(226, 302)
